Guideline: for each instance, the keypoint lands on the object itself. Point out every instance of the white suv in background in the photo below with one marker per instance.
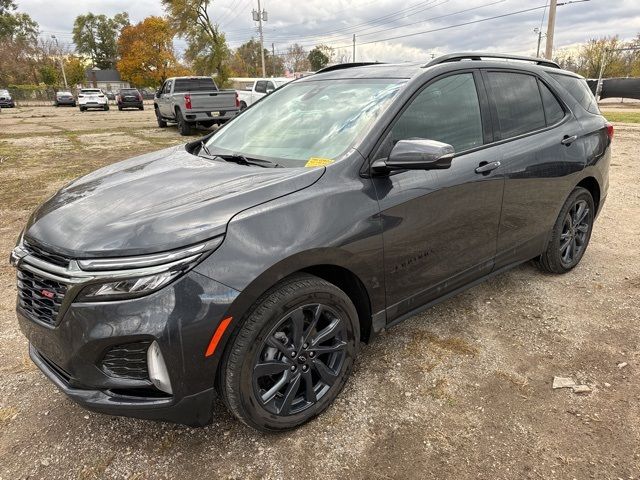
(258, 89)
(92, 98)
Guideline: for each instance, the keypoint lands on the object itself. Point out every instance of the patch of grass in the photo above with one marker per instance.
(622, 117)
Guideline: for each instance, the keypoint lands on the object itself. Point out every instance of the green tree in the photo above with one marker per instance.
(97, 37)
(247, 62)
(318, 58)
(207, 49)
(49, 75)
(74, 69)
(18, 44)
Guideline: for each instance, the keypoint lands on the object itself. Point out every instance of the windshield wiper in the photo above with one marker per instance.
(242, 160)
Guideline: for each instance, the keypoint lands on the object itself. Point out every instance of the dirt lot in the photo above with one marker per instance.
(462, 391)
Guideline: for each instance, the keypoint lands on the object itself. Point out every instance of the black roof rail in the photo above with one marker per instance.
(455, 57)
(342, 66)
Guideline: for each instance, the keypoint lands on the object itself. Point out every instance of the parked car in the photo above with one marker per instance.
(190, 100)
(65, 98)
(6, 101)
(258, 89)
(129, 98)
(92, 98)
(110, 95)
(250, 264)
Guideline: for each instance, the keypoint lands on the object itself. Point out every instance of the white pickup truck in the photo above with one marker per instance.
(259, 88)
(190, 100)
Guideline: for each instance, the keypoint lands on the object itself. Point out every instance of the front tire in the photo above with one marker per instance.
(571, 233)
(161, 122)
(292, 354)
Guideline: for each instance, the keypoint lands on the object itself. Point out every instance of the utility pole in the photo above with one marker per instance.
(259, 16)
(353, 56)
(538, 31)
(273, 59)
(64, 76)
(551, 26)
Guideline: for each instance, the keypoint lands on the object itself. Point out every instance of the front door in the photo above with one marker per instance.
(440, 226)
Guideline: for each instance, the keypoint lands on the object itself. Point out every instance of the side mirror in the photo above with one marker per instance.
(269, 90)
(158, 93)
(416, 154)
(249, 87)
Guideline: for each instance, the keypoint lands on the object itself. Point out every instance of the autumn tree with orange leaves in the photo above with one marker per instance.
(146, 53)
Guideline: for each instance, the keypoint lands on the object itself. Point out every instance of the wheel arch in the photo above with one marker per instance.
(592, 185)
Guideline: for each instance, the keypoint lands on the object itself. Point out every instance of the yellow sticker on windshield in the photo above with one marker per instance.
(318, 162)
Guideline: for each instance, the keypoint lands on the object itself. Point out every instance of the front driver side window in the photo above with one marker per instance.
(448, 111)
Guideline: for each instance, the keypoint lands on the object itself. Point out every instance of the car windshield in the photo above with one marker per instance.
(90, 90)
(307, 120)
(66, 94)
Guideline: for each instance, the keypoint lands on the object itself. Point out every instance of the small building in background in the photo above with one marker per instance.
(108, 80)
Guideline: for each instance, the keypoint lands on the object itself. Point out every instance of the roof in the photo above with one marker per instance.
(108, 75)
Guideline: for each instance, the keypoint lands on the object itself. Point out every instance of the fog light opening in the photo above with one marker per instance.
(158, 373)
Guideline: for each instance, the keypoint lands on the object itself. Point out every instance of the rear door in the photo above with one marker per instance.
(535, 130)
(440, 226)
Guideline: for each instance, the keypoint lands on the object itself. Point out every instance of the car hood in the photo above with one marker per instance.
(155, 202)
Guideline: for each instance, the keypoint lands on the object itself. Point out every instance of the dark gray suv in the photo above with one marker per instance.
(252, 263)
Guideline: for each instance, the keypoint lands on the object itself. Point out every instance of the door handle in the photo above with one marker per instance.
(568, 140)
(486, 167)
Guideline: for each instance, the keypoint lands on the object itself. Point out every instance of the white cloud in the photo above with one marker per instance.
(310, 22)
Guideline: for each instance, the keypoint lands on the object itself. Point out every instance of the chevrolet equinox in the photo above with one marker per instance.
(252, 263)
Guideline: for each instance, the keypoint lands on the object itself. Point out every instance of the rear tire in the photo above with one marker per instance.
(142, 107)
(183, 126)
(243, 105)
(106, 108)
(571, 233)
(292, 354)
(161, 122)
(120, 108)
(82, 109)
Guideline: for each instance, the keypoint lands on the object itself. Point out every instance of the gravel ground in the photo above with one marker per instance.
(463, 391)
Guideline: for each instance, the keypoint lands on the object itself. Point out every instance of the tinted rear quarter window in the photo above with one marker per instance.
(552, 108)
(194, 85)
(517, 101)
(579, 90)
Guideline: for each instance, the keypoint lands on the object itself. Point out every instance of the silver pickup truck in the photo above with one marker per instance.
(190, 100)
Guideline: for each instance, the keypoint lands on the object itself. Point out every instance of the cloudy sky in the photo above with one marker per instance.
(386, 30)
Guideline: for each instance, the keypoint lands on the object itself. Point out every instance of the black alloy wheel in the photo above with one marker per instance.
(571, 233)
(292, 354)
(576, 227)
(300, 360)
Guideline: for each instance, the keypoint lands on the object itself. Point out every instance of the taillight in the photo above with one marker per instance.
(187, 101)
(237, 100)
(609, 131)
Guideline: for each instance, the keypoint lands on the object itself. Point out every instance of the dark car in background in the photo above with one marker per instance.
(65, 98)
(129, 98)
(6, 101)
(250, 264)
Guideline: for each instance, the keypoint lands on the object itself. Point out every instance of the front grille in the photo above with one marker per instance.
(46, 256)
(127, 361)
(40, 297)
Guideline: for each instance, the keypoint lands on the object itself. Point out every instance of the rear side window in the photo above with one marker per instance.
(579, 89)
(448, 111)
(518, 103)
(194, 85)
(552, 108)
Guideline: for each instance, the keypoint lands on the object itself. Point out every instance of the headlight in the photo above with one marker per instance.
(132, 277)
(129, 288)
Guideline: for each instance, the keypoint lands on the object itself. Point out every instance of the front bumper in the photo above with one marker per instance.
(181, 318)
(7, 104)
